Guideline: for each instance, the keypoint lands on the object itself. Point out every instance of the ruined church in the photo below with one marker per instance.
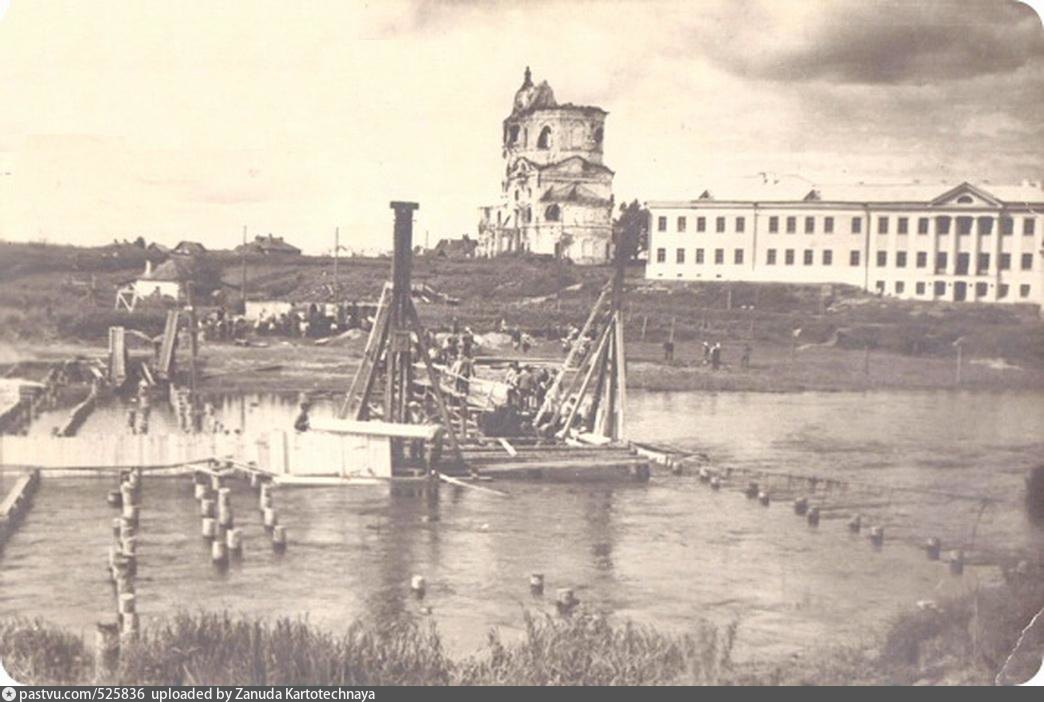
(556, 192)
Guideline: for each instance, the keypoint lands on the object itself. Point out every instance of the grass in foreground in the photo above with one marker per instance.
(961, 641)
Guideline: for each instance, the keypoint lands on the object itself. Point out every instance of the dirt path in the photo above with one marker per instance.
(283, 365)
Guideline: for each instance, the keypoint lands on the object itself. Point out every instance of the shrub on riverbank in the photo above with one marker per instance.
(966, 640)
(33, 651)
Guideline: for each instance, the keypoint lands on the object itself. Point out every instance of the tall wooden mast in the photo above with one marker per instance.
(390, 347)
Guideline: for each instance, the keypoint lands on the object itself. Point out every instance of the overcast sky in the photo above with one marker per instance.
(190, 119)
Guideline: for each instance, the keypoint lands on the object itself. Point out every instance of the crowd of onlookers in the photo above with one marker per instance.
(312, 322)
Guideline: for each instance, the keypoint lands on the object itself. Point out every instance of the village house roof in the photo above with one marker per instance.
(190, 248)
(456, 248)
(175, 270)
(269, 245)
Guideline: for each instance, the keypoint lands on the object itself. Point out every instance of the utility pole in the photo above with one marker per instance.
(337, 253)
(242, 281)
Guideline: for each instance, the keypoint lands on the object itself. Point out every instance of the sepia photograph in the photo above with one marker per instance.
(352, 346)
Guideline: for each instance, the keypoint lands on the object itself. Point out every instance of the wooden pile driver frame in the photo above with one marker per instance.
(601, 377)
(389, 349)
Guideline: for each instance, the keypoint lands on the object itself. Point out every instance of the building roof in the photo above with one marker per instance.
(574, 193)
(174, 270)
(269, 244)
(794, 189)
(190, 247)
(531, 98)
(456, 247)
(584, 166)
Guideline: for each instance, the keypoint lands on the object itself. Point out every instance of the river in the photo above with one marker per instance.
(671, 553)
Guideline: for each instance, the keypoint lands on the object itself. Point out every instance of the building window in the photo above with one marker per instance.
(857, 225)
(552, 213)
(1007, 226)
(788, 257)
(599, 135)
(983, 263)
(770, 257)
(661, 224)
(1002, 291)
(741, 224)
(1024, 291)
(773, 225)
(981, 289)
(882, 259)
(900, 287)
(904, 226)
(1027, 261)
(1028, 227)
(879, 286)
(719, 256)
(681, 224)
(661, 255)
(963, 261)
(719, 225)
(922, 225)
(985, 226)
(699, 256)
(882, 225)
(791, 225)
(939, 288)
(900, 259)
(512, 135)
(922, 259)
(701, 224)
(964, 225)
(940, 262)
(544, 140)
(679, 256)
(919, 288)
(853, 258)
(809, 257)
(737, 257)
(1004, 263)
(810, 225)
(828, 225)
(942, 225)
(828, 257)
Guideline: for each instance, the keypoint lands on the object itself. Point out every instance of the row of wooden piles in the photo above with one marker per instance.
(218, 525)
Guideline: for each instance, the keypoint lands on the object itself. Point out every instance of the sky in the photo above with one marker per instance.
(193, 119)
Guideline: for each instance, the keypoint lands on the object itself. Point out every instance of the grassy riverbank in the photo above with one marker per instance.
(963, 641)
(802, 337)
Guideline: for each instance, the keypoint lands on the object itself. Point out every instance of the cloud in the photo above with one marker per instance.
(872, 42)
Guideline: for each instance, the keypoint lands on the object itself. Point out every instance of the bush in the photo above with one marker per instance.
(33, 651)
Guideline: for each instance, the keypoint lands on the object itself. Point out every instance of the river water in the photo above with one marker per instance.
(670, 553)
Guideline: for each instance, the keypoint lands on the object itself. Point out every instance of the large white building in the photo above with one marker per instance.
(915, 241)
(556, 194)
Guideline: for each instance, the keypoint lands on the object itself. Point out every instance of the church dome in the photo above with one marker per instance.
(530, 97)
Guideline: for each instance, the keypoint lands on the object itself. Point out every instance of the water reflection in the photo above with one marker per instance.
(671, 553)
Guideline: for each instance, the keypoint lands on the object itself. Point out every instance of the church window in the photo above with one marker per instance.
(598, 135)
(552, 213)
(512, 135)
(544, 140)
